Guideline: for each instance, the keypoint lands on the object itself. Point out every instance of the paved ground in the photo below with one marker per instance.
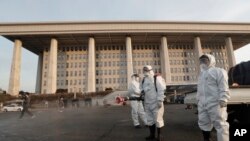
(94, 124)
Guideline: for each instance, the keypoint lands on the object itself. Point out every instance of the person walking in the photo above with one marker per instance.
(61, 103)
(26, 104)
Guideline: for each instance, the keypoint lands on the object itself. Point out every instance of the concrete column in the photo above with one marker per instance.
(14, 82)
(198, 50)
(165, 63)
(39, 73)
(52, 67)
(91, 66)
(230, 52)
(197, 45)
(129, 59)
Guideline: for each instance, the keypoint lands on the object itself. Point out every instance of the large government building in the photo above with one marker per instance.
(94, 56)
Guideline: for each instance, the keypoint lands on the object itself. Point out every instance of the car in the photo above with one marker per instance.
(180, 99)
(12, 107)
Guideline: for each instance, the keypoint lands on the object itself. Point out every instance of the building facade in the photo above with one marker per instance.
(94, 56)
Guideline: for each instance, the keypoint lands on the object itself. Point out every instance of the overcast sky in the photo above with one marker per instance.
(110, 10)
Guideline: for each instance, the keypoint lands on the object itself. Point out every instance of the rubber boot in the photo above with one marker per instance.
(206, 135)
(152, 133)
(159, 136)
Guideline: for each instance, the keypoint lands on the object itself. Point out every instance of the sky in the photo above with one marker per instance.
(109, 10)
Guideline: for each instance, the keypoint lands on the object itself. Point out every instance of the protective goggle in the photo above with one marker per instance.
(204, 61)
(135, 75)
(146, 69)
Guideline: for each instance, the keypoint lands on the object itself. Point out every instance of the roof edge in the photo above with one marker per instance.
(122, 22)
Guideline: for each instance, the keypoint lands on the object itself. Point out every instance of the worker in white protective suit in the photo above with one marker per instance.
(212, 96)
(154, 87)
(137, 109)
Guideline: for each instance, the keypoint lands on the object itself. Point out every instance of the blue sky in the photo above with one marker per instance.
(110, 10)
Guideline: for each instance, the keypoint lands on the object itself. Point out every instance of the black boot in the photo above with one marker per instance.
(152, 133)
(159, 136)
(206, 135)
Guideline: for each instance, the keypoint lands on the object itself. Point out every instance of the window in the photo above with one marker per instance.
(180, 78)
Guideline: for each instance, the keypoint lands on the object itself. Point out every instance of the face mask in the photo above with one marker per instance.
(203, 66)
(137, 79)
(146, 73)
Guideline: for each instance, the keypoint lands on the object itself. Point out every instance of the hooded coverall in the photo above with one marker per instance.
(137, 107)
(211, 91)
(153, 98)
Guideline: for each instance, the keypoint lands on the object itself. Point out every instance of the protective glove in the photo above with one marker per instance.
(126, 98)
(159, 104)
(142, 92)
(223, 104)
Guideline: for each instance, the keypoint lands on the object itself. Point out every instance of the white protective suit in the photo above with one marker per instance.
(153, 100)
(213, 90)
(137, 107)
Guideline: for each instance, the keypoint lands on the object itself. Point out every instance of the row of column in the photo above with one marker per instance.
(14, 82)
